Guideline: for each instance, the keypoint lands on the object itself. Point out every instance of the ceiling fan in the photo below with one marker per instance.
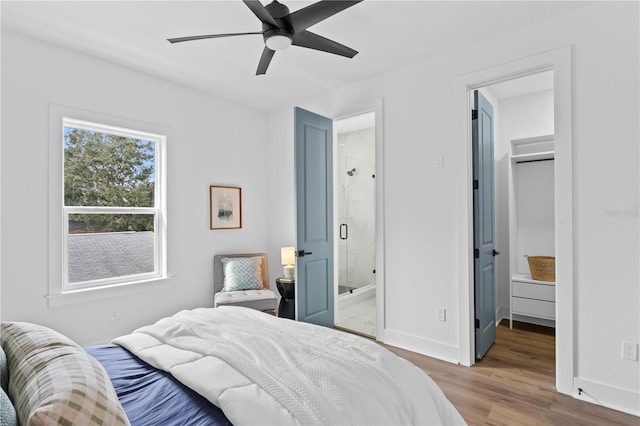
(281, 29)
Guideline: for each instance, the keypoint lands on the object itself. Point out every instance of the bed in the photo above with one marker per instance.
(216, 366)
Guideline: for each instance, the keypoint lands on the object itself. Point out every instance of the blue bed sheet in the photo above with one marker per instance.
(153, 397)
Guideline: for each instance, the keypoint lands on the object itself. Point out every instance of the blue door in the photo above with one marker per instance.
(483, 240)
(314, 217)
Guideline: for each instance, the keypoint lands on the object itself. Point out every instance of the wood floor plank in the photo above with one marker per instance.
(514, 384)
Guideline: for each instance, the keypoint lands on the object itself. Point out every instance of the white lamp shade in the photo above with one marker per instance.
(287, 256)
(288, 259)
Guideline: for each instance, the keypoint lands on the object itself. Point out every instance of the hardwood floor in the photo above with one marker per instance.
(514, 384)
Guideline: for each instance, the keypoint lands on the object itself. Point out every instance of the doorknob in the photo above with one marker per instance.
(496, 253)
(302, 253)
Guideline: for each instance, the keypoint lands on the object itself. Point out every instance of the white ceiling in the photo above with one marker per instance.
(388, 34)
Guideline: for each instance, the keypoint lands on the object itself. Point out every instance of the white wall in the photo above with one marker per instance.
(520, 117)
(534, 190)
(211, 144)
(281, 189)
(421, 252)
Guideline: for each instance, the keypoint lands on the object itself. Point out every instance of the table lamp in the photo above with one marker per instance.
(288, 260)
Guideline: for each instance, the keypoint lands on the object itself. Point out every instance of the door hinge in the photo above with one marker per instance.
(476, 253)
(374, 271)
(477, 323)
(474, 114)
(476, 184)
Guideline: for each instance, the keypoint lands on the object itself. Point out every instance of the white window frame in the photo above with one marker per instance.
(61, 292)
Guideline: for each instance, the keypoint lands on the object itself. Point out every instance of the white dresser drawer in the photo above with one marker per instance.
(534, 291)
(537, 308)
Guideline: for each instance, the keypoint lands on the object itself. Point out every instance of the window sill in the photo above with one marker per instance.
(100, 293)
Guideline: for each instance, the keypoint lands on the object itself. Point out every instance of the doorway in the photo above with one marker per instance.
(558, 61)
(355, 201)
(316, 166)
(523, 157)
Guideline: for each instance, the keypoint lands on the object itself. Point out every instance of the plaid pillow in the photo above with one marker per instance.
(53, 381)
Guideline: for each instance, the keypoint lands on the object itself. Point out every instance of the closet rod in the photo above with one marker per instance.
(533, 161)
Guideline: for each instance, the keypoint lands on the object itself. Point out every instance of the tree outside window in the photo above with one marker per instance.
(102, 169)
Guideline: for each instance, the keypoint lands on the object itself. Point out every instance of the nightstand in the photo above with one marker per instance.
(287, 289)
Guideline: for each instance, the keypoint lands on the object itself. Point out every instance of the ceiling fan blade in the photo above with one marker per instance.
(302, 19)
(203, 37)
(261, 12)
(314, 41)
(265, 60)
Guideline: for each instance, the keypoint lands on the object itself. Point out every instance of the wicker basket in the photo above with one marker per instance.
(543, 268)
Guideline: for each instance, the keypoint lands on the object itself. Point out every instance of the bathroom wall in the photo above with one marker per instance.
(356, 207)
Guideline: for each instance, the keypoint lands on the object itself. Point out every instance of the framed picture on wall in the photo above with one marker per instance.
(225, 207)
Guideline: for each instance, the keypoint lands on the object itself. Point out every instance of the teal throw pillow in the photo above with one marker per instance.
(4, 371)
(242, 273)
(8, 416)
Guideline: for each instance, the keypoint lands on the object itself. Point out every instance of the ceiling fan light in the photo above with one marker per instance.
(278, 42)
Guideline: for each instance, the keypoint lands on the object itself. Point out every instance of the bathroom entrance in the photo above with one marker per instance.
(355, 211)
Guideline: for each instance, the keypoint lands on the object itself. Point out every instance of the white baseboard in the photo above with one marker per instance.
(432, 348)
(625, 400)
(502, 313)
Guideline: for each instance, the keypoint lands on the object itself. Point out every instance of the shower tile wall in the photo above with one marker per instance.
(356, 207)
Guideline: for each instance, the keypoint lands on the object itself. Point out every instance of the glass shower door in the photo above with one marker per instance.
(355, 189)
(356, 204)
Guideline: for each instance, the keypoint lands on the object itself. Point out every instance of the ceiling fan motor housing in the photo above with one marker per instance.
(277, 10)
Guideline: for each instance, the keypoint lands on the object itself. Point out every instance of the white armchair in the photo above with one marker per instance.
(243, 280)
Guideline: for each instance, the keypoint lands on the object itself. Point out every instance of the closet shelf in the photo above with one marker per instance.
(534, 156)
(527, 279)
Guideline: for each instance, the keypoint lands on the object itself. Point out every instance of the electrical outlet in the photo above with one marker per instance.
(630, 351)
(114, 314)
(438, 161)
(442, 314)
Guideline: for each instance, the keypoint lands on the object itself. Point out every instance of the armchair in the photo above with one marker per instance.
(243, 280)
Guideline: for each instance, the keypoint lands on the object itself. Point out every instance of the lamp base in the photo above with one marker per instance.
(289, 272)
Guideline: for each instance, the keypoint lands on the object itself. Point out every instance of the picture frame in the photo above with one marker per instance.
(225, 207)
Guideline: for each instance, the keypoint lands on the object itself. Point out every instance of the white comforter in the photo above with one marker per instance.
(260, 369)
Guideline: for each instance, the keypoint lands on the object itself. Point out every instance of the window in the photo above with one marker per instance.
(113, 228)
